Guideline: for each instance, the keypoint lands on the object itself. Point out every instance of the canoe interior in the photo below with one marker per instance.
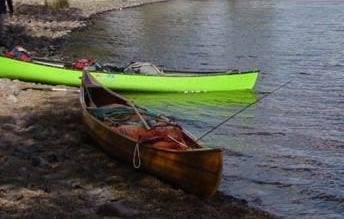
(101, 97)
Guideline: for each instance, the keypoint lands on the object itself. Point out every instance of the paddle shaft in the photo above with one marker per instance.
(37, 59)
(52, 89)
(62, 65)
(240, 111)
(146, 124)
(139, 115)
(148, 127)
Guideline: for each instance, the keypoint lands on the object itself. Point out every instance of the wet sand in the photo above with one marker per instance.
(49, 166)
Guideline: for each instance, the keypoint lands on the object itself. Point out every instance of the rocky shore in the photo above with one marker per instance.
(50, 168)
(44, 30)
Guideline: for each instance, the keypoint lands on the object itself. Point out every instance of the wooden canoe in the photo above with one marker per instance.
(194, 168)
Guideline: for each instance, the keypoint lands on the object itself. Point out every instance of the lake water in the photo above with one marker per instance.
(285, 154)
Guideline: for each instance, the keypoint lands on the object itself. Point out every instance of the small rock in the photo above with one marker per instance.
(116, 209)
(22, 171)
(22, 153)
(96, 191)
(3, 192)
(46, 188)
(38, 162)
(114, 179)
(9, 127)
(74, 183)
(19, 197)
(52, 158)
(12, 98)
(54, 176)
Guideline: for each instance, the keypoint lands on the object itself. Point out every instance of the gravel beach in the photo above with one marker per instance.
(50, 168)
(43, 31)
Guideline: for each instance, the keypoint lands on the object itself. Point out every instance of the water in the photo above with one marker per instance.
(284, 155)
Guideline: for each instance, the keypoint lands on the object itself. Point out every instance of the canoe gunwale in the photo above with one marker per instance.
(177, 73)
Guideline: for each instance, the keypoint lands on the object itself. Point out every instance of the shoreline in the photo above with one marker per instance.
(44, 31)
(90, 8)
(49, 167)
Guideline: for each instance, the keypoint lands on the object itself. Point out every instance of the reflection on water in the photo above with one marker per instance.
(284, 154)
(215, 99)
(190, 109)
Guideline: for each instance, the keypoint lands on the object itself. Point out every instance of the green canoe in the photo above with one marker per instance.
(169, 82)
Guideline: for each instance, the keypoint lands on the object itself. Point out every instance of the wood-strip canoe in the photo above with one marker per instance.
(196, 169)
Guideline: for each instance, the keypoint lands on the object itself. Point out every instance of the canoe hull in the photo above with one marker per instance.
(25, 71)
(198, 172)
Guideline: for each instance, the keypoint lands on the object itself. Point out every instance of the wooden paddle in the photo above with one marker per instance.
(139, 115)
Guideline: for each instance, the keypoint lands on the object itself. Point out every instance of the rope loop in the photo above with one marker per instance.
(137, 156)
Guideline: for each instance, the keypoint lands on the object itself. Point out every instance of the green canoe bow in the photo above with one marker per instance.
(26, 71)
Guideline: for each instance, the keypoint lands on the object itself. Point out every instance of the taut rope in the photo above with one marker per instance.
(240, 111)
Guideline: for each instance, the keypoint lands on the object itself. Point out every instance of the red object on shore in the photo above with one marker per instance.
(81, 64)
(19, 53)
